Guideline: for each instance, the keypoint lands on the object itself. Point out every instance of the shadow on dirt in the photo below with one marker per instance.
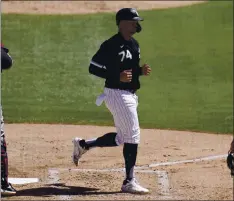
(61, 189)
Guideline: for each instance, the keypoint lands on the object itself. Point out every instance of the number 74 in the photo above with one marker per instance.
(126, 54)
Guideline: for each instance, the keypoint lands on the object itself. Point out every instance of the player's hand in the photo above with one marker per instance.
(126, 76)
(146, 70)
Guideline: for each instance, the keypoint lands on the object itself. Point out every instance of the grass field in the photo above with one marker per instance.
(190, 50)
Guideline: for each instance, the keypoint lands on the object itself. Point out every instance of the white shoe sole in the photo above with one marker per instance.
(134, 191)
(134, 188)
(76, 152)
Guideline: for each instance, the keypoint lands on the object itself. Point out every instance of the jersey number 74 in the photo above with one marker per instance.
(125, 54)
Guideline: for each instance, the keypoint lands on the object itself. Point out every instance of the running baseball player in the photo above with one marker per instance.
(117, 61)
(6, 187)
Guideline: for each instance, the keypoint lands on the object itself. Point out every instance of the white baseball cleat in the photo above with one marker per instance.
(78, 150)
(134, 187)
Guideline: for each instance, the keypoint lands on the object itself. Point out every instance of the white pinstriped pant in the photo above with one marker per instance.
(123, 106)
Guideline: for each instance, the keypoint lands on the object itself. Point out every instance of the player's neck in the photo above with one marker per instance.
(126, 36)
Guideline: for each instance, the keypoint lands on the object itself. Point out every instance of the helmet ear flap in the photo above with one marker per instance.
(138, 29)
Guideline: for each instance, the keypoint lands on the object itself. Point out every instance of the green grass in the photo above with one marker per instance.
(190, 51)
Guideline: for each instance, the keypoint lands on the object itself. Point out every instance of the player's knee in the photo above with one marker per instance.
(134, 137)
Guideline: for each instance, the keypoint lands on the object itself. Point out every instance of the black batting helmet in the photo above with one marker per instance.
(129, 14)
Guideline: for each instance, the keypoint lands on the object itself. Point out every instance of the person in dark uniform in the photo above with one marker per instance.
(117, 61)
(230, 158)
(6, 187)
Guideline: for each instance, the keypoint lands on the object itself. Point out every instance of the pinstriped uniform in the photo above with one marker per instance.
(114, 56)
(123, 106)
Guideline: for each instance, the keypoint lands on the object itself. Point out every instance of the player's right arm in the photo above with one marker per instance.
(99, 62)
(104, 63)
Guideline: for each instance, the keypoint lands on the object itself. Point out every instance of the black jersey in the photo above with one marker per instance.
(114, 56)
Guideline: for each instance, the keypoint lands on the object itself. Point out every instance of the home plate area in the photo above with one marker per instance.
(100, 184)
(94, 184)
(177, 180)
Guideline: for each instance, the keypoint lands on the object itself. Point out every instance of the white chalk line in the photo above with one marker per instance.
(208, 158)
(102, 170)
(53, 177)
(163, 181)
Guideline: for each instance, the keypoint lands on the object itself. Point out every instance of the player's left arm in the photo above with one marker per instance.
(144, 69)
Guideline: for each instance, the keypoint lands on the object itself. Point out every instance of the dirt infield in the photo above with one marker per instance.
(44, 151)
(78, 7)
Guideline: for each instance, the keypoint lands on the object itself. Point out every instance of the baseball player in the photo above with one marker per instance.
(117, 61)
(6, 187)
(230, 158)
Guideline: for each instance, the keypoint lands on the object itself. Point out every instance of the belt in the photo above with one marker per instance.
(133, 91)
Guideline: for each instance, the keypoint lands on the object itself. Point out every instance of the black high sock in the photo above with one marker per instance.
(130, 154)
(107, 140)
